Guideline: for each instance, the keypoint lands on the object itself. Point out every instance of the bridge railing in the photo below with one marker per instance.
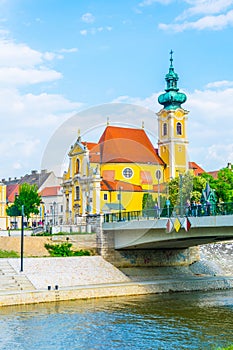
(192, 210)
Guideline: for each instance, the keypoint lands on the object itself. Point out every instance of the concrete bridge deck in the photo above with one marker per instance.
(152, 234)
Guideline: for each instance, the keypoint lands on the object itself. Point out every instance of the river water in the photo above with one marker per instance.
(200, 320)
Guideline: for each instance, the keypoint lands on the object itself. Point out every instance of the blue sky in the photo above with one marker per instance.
(59, 58)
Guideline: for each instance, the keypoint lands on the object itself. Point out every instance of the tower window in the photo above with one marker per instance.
(164, 129)
(77, 193)
(105, 196)
(77, 166)
(178, 128)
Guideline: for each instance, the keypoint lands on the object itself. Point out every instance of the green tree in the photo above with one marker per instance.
(147, 201)
(224, 185)
(13, 210)
(29, 198)
(185, 187)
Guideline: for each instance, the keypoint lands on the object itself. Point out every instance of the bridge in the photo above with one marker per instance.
(148, 238)
(153, 233)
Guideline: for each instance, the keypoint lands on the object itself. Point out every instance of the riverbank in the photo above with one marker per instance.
(56, 279)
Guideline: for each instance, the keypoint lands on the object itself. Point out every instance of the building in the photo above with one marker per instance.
(111, 175)
(172, 119)
(115, 173)
(43, 179)
(3, 203)
(52, 205)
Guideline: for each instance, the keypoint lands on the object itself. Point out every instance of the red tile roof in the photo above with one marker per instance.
(117, 185)
(196, 168)
(50, 191)
(94, 154)
(214, 173)
(11, 191)
(127, 145)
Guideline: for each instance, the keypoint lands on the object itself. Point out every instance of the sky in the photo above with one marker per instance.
(60, 59)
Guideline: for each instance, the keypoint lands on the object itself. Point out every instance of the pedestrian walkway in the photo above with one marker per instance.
(57, 279)
(40, 273)
(11, 280)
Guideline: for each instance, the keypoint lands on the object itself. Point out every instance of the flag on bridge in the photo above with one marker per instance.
(169, 226)
(186, 224)
(177, 224)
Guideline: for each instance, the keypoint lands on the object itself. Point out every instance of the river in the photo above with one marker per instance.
(167, 321)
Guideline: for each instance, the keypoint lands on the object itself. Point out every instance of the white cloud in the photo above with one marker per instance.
(205, 7)
(83, 32)
(12, 54)
(95, 30)
(71, 50)
(27, 119)
(208, 22)
(210, 14)
(219, 84)
(18, 77)
(88, 17)
(151, 2)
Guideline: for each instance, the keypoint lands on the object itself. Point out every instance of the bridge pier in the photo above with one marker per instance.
(141, 257)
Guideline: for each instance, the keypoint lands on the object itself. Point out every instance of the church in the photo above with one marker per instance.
(115, 173)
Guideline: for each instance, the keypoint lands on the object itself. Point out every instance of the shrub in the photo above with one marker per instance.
(64, 249)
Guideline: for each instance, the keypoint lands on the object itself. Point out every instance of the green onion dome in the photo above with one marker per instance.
(172, 99)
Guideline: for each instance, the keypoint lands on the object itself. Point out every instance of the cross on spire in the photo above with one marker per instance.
(171, 58)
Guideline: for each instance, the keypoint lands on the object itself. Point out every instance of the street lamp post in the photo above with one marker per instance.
(158, 177)
(120, 188)
(22, 237)
(54, 213)
(181, 194)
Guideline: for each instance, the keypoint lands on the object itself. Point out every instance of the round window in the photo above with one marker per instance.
(127, 173)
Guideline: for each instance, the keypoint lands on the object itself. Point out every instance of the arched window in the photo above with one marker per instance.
(77, 166)
(164, 129)
(179, 128)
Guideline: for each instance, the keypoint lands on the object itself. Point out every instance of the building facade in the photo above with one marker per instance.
(115, 173)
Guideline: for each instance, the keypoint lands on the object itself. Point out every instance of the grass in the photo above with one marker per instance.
(62, 233)
(8, 254)
(230, 347)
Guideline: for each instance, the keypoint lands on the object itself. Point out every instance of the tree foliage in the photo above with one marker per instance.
(28, 198)
(223, 185)
(147, 201)
(186, 187)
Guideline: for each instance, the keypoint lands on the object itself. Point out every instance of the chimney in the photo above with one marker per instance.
(34, 172)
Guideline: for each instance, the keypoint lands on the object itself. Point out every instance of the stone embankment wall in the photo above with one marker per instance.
(219, 255)
(34, 246)
(143, 257)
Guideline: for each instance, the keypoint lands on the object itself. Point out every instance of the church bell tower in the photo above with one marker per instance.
(172, 118)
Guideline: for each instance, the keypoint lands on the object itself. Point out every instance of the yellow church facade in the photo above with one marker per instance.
(3, 204)
(115, 173)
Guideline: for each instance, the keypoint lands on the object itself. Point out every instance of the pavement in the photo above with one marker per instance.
(56, 279)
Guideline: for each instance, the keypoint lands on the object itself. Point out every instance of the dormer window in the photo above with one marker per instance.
(179, 128)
